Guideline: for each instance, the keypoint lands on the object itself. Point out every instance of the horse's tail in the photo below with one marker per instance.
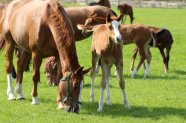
(85, 28)
(154, 39)
(2, 42)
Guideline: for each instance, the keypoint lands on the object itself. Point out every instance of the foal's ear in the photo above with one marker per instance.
(79, 70)
(108, 18)
(87, 70)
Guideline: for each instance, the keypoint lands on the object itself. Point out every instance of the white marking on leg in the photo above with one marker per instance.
(34, 101)
(18, 89)
(147, 71)
(116, 72)
(134, 74)
(10, 91)
(125, 100)
(80, 94)
(100, 108)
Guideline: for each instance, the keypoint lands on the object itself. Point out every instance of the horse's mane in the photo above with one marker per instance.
(65, 37)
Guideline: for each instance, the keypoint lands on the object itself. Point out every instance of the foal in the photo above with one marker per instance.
(107, 45)
(164, 41)
(126, 10)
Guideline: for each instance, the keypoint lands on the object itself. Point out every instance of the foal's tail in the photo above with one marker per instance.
(85, 28)
(2, 42)
(154, 39)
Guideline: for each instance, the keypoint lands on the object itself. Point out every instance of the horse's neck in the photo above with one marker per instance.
(64, 38)
(68, 58)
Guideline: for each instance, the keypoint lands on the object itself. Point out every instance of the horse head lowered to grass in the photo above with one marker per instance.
(45, 31)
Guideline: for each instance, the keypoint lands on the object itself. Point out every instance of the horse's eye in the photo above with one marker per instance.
(110, 27)
(76, 86)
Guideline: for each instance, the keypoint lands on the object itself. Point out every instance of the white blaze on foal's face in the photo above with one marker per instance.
(116, 28)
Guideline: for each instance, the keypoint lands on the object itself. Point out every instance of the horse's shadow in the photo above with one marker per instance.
(118, 110)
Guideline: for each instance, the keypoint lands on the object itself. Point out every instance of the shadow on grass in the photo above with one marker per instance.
(118, 110)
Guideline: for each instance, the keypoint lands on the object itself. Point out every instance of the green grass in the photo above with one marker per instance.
(159, 98)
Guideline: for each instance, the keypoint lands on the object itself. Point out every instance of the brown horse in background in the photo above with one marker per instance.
(101, 3)
(126, 10)
(107, 45)
(78, 15)
(45, 30)
(164, 41)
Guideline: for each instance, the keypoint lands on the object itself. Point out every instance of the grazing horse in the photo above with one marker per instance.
(45, 31)
(51, 70)
(107, 45)
(126, 10)
(133, 33)
(164, 41)
(77, 15)
(101, 3)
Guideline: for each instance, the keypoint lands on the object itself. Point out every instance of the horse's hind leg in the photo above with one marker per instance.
(168, 48)
(95, 59)
(21, 64)
(36, 76)
(142, 58)
(133, 59)
(122, 84)
(9, 46)
(148, 57)
(164, 59)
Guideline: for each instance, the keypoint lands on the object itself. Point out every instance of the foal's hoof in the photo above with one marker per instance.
(35, 101)
(11, 97)
(20, 98)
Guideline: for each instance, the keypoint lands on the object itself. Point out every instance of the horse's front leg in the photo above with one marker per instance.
(95, 59)
(22, 62)
(9, 46)
(36, 76)
(122, 84)
(104, 68)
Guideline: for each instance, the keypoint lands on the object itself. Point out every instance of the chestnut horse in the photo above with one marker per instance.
(107, 45)
(164, 41)
(45, 30)
(77, 15)
(126, 10)
(133, 33)
(101, 3)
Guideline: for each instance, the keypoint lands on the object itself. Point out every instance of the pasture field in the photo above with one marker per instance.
(160, 98)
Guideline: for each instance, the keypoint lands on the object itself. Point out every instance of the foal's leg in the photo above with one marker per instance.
(23, 60)
(9, 46)
(103, 85)
(108, 85)
(95, 59)
(122, 84)
(36, 76)
(148, 56)
(164, 58)
(168, 48)
(133, 59)
(142, 58)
